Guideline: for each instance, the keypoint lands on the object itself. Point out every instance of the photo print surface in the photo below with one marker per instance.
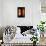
(21, 11)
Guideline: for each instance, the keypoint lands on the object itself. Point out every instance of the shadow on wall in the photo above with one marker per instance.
(1, 32)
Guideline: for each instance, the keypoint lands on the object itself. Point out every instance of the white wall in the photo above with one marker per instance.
(9, 12)
(1, 17)
(36, 7)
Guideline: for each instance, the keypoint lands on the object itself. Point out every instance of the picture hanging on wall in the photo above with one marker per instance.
(21, 11)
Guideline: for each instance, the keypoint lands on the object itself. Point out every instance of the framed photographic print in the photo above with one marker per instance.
(21, 11)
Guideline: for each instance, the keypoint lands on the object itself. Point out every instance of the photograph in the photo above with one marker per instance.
(21, 11)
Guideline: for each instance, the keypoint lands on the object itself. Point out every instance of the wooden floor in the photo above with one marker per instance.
(16, 44)
(42, 41)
